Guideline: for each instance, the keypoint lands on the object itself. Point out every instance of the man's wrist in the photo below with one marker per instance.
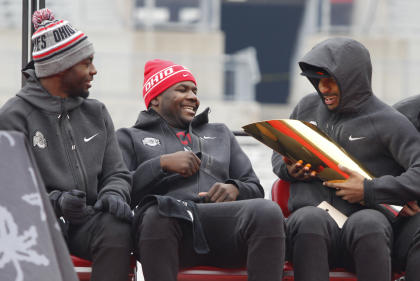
(163, 163)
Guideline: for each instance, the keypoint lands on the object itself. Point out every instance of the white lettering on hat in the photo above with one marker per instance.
(168, 71)
(158, 77)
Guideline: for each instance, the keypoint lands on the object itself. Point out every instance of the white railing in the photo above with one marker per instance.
(184, 15)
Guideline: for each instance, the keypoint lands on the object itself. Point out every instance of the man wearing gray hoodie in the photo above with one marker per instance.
(75, 146)
(407, 230)
(345, 108)
(410, 107)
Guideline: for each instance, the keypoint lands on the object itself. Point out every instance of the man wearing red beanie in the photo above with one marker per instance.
(198, 199)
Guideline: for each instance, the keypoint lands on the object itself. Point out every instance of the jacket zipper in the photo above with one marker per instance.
(79, 164)
(200, 150)
(330, 132)
(71, 149)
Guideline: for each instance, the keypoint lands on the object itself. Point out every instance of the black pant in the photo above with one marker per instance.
(107, 242)
(241, 233)
(315, 244)
(407, 246)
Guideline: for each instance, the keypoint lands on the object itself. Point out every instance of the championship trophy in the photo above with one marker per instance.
(300, 140)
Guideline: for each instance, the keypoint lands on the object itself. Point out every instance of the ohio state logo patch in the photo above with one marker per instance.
(39, 140)
(151, 142)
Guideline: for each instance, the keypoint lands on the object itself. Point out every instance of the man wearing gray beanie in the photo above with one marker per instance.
(75, 147)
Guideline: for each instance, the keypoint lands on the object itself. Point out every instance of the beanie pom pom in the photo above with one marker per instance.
(41, 15)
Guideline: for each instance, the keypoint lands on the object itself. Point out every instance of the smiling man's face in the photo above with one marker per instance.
(178, 104)
(330, 92)
(77, 80)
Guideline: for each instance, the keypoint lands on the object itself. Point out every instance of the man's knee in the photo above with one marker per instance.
(265, 214)
(266, 210)
(368, 222)
(114, 232)
(311, 220)
(156, 226)
(368, 230)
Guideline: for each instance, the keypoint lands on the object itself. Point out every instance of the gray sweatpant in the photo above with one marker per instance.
(107, 242)
(315, 244)
(241, 233)
(407, 246)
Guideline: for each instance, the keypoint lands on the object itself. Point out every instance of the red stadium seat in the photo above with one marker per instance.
(83, 269)
(208, 273)
(280, 194)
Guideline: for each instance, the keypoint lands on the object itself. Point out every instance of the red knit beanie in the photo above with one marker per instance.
(159, 75)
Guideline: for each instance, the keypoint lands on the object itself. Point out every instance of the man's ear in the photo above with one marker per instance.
(154, 102)
(62, 73)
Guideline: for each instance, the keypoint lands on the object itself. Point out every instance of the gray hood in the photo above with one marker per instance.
(410, 107)
(349, 63)
(35, 94)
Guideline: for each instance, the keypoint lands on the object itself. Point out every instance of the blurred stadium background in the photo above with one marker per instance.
(243, 53)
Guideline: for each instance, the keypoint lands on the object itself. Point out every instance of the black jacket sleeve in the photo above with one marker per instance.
(241, 172)
(280, 168)
(13, 116)
(144, 175)
(404, 147)
(114, 177)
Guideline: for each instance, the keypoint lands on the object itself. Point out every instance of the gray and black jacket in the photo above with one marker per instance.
(410, 108)
(73, 140)
(380, 138)
(222, 159)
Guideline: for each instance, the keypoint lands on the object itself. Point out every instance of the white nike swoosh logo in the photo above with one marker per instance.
(185, 75)
(89, 139)
(353, 139)
(208, 138)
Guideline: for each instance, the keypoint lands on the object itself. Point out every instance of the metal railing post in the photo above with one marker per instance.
(28, 8)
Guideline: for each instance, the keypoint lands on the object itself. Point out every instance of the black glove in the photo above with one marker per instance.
(73, 206)
(114, 204)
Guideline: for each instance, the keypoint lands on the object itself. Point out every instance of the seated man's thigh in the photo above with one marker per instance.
(312, 224)
(102, 230)
(366, 222)
(407, 238)
(155, 226)
(311, 220)
(229, 226)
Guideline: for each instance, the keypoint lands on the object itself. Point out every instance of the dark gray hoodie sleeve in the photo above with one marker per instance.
(405, 149)
(145, 174)
(241, 173)
(279, 167)
(13, 115)
(114, 177)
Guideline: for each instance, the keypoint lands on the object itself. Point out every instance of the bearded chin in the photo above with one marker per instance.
(82, 94)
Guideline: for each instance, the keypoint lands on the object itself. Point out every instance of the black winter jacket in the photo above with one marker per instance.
(375, 134)
(222, 159)
(73, 140)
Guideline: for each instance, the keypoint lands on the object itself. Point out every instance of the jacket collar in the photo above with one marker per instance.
(35, 94)
(150, 118)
